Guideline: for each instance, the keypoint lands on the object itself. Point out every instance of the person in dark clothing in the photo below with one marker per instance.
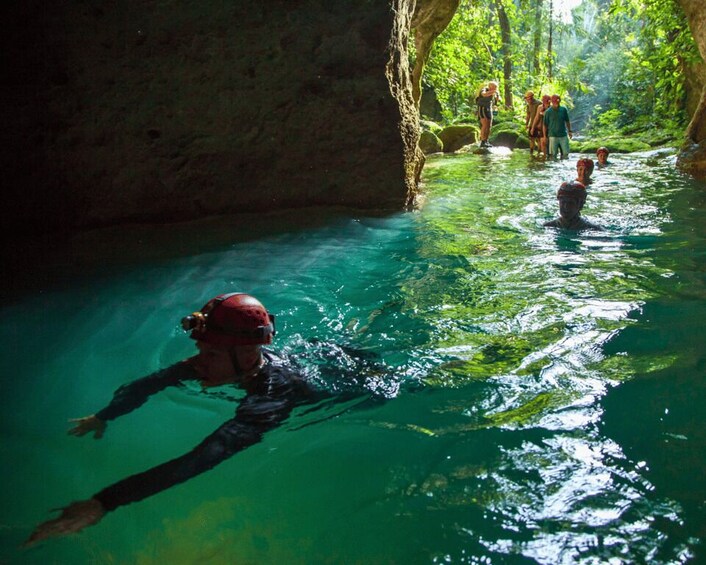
(571, 197)
(230, 331)
(486, 100)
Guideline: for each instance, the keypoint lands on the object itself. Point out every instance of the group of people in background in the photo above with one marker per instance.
(549, 131)
(548, 125)
(546, 121)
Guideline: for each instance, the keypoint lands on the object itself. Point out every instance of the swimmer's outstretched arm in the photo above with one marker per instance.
(131, 396)
(255, 416)
(86, 425)
(74, 518)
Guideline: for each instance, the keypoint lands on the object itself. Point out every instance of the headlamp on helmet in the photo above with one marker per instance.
(231, 319)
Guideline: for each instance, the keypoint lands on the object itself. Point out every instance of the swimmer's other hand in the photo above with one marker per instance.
(87, 425)
(74, 518)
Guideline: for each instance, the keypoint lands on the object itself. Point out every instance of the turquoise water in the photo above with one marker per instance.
(544, 391)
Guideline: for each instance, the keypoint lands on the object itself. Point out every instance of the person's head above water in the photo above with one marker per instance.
(571, 196)
(229, 331)
(230, 320)
(602, 155)
(584, 169)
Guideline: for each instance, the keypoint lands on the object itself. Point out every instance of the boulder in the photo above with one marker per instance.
(692, 159)
(456, 136)
(504, 138)
(429, 143)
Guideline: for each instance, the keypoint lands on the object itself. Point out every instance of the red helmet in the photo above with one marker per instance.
(231, 319)
(602, 150)
(588, 163)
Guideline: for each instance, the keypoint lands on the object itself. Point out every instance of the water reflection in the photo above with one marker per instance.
(542, 389)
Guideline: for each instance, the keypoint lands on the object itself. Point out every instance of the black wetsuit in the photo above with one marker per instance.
(485, 105)
(271, 395)
(577, 223)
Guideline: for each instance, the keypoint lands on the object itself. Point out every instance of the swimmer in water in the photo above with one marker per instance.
(602, 156)
(571, 197)
(230, 332)
(584, 170)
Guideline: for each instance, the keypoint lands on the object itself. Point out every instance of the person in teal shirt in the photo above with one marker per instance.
(557, 128)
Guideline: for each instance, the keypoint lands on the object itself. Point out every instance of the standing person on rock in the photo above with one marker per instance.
(486, 100)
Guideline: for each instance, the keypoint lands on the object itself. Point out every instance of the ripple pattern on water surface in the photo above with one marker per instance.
(522, 382)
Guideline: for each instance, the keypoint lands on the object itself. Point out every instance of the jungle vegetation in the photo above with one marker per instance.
(619, 65)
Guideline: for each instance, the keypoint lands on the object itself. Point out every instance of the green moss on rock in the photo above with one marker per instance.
(428, 125)
(614, 145)
(456, 136)
(429, 143)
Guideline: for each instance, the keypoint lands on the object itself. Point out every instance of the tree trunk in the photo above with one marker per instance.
(692, 157)
(696, 16)
(551, 34)
(537, 37)
(506, 51)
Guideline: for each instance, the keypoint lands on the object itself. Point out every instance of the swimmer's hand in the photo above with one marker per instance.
(74, 518)
(87, 425)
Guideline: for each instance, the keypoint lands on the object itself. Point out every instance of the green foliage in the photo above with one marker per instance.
(619, 65)
(462, 59)
(609, 119)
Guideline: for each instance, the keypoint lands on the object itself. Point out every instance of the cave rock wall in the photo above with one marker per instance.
(159, 111)
(692, 157)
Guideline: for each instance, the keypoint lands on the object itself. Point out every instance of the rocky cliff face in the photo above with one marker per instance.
(159, 111)
(693, 154)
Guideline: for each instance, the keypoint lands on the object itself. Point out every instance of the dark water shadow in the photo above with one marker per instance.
(658, 416)
(33, 264)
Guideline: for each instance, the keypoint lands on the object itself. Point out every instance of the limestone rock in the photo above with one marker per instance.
(692, 159)
(430, 143)
(456, 136)
(161, 111)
